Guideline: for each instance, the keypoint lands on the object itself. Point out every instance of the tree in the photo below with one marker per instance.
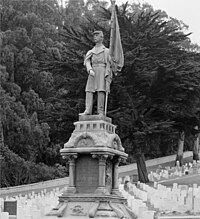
(17, 171)
(74, 11)
(176, 91)
(29, 40)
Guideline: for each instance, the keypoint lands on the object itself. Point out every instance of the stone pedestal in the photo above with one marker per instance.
(94, 152)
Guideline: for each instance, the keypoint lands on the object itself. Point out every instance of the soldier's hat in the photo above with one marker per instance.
(97, 32)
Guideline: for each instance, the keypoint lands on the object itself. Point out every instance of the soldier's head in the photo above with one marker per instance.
(98, 36)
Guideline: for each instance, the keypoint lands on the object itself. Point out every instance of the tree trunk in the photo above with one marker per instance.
(141, 167)
(179, 156)
(196, 148)
(1, 126)
(1, 131)
(1, 147)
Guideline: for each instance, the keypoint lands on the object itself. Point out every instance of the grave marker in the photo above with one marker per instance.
(10, 207)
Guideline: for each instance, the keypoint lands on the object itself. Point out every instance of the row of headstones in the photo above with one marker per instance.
(137, 205)
(171, 172)
(161, 199)
(35, 206)
(31, 206)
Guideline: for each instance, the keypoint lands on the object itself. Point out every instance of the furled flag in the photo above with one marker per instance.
(116, 51)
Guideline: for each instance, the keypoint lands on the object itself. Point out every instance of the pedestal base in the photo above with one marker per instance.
(85, 206)
(116, 192)
(70, 190)
(101, 191)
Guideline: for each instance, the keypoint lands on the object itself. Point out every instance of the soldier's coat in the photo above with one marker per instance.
(99, 60)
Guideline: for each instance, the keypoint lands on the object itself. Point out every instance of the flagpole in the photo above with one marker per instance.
(111, 46)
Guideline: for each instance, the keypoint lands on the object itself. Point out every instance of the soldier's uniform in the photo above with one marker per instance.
(98, 60)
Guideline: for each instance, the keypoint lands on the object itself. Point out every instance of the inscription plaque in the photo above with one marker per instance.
(10, 207)
(87, 174)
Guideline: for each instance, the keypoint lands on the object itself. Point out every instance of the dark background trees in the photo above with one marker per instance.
(43, 43)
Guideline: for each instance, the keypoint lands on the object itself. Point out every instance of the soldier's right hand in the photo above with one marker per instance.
(92, 73)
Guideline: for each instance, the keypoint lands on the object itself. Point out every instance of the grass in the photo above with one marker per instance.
(184, 180)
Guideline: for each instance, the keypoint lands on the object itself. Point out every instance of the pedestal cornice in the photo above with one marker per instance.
(93, 150)
(95, 118)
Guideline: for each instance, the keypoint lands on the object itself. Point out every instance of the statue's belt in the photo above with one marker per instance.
(99, 65)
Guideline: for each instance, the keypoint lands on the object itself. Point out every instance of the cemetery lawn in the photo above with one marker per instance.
(134, 173)
(155, 167)
(184, 180)
(170, 164)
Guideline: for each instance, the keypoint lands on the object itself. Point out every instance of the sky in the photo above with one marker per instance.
(186, 10)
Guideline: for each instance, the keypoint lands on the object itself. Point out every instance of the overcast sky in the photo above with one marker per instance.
(186, 10)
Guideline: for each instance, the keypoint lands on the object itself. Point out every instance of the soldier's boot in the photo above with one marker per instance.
(101, 102)
(88, 104)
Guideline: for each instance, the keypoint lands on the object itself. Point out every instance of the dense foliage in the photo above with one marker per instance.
(42, 46)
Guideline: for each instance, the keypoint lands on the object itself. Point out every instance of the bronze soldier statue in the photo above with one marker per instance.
(97, 62)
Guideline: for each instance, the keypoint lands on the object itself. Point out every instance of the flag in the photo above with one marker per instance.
(116, 51)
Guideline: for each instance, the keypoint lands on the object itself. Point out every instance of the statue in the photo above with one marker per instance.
(101, 63)
(97, 62)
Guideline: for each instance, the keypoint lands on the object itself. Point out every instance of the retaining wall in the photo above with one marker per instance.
(36, 187)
